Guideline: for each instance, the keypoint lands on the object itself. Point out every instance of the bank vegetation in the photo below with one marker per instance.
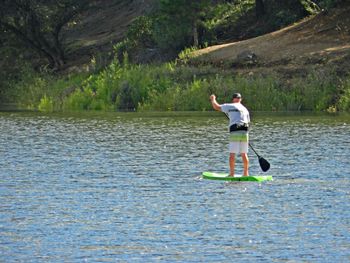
(172, 57)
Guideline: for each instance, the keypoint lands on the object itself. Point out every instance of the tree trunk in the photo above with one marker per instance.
(292, 7)
(259, 8)
(25, 20)
(58, 48)
(195, 34)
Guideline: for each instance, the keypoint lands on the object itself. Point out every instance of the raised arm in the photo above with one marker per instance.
(214, 103)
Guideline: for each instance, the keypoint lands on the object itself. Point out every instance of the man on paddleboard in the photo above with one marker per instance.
(238, 127)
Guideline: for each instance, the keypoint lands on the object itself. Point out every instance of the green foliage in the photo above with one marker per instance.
(28, 90)
(311, 6)
(261, 93)
(121, 85)
(138, 37)
(122, 47)
(194, 94)
(187, 54)
(323, 4)
(124, 86)
(46, 104)
(41, 91)
(168, 32)
(118, 87)
(38, 25)
(79, 100)
(224, 20)
(140, 31)
(282, 13)
(317, 92)
(161, 30)
(344, 101)
(170, 37)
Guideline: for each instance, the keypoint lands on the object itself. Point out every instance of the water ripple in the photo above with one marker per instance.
(117, 187)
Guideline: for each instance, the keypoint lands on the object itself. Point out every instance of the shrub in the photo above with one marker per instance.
(344, 101)
(46, 104)
(179, 87)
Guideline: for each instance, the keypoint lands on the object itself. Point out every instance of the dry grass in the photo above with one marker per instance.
(315, 41)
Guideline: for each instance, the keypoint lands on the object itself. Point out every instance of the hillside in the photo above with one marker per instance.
(101, 28)
(318, 41)
(304, 66)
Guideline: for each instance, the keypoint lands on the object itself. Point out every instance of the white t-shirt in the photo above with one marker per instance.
(237, 113)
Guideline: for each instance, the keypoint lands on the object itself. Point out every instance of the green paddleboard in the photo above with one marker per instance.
(226, 177)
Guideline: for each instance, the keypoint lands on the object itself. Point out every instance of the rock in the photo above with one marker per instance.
(246, 58)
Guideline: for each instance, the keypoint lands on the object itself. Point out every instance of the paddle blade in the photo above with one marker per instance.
(265, 165)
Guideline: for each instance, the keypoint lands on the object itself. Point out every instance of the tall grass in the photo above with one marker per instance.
(344, 101)
(173, 87)
(41, 91)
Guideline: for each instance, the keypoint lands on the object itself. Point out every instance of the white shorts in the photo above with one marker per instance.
(239, 142)
(238, 147)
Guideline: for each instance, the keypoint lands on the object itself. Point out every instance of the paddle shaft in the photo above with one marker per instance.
(254, 150)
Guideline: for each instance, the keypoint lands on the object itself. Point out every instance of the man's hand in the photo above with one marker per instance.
(214, 103)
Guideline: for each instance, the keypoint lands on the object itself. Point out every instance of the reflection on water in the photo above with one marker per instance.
(114, 187)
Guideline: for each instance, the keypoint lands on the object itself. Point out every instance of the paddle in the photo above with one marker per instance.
(264, 165)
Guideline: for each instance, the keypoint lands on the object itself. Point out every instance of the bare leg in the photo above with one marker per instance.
(245, 164)
(232, 164)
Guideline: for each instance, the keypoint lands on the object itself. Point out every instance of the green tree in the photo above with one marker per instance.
(177, 22)
(38, 24)
(259, 8)
(276, 14)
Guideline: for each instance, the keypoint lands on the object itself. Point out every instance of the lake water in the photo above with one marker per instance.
(115, 187)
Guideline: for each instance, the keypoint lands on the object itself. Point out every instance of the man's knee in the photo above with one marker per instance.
(245, 157)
